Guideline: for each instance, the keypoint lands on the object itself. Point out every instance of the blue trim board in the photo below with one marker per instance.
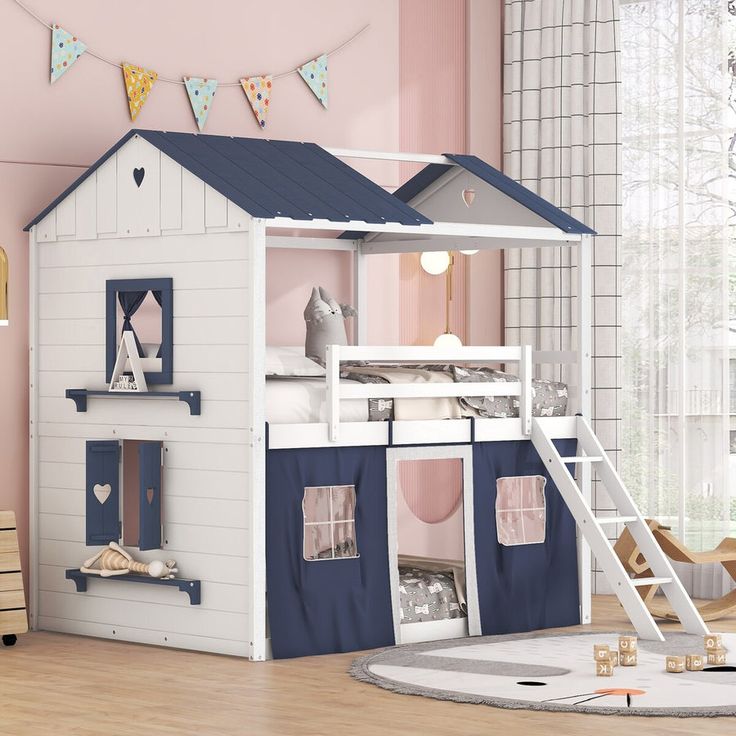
(271, 179)
(193, 588)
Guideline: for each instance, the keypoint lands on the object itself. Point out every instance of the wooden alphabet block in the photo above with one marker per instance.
(614, 658)
(627, 644)
(604, 668)
(716, 656)
(694, 662)
(675, 664)
(713, 641)
(601, 652)
(627, 659)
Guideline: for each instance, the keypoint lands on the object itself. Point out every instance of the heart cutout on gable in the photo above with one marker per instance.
(138, 175)
(102, 492)
(149, 495)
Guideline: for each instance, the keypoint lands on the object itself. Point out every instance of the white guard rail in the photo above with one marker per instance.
(392, 355)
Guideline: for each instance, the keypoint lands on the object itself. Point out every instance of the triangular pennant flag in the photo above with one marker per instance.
(314, 73)
(138, 84)
(258, 92)
(65, 50)
(201, 95)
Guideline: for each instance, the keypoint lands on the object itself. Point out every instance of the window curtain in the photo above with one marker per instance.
(562, 140)
(130, 301)
(679, 271)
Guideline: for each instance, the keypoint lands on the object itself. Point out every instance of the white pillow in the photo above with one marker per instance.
(288, 361)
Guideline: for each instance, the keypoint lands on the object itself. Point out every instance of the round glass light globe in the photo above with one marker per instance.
(435, 262)
(469, 252)
(448, 340)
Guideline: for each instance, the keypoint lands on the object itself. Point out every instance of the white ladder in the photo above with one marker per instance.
(591, 526)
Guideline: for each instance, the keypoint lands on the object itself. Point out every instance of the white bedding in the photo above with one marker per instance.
(302, 400)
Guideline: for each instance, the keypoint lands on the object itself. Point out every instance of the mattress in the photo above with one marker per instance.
(303, 400)
(427, 595)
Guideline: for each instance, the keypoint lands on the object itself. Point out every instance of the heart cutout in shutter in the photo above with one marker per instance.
(149, 495)
(138, 175)
(102, 492)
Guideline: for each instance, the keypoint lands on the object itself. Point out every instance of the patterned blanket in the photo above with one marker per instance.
(427, 596)
(549, 398)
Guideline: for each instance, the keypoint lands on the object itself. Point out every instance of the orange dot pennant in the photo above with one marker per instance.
(138, 84)
(314, 73)
(258, 92)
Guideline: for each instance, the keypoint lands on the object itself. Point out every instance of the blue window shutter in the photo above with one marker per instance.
(103, 492)
(149, 463)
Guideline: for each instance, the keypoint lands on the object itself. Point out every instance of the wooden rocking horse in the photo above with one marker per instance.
(636, 565)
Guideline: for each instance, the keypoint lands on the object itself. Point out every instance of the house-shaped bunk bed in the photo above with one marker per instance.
(283, 525)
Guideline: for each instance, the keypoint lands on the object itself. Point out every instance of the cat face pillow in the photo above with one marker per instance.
(325, 320)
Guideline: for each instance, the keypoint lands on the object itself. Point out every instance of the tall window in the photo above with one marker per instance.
(679, 263)
(3, 288)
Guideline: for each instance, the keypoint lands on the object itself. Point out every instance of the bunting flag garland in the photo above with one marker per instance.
(258, 92)
(138, 84)
(65, 50)
(201, 96)
(314, 73)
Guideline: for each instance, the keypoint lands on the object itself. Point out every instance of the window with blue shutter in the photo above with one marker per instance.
(103, 492)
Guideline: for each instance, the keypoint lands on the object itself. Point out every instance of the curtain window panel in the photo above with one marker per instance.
(562, 140)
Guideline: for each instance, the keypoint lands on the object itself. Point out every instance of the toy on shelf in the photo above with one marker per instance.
(128, 358)
(114, 560)
(13, 618)
(635, 564)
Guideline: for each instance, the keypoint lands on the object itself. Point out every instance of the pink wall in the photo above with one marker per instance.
(81, 115)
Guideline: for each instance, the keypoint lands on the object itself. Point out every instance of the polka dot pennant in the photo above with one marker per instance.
(314, 73)
(258, 92)
(201, 96)
(138, 84)
(65, 50)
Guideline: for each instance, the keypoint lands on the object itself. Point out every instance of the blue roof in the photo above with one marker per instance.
(498, 180)
(271, 179)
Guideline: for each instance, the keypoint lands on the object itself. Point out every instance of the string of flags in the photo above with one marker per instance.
(67, 49)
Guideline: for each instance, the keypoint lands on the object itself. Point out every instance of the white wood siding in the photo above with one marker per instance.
(169, 201)
(206, 481)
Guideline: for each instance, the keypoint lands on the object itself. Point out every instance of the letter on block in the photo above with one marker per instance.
(601, 652)
(604, 668)
(675, 664)
(627, 659)
(694, 662)
(713, 641)
(716, 656)
(614, 658)
(627, 644)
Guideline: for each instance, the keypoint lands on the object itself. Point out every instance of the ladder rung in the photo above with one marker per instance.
(616, 519)
(640, 582)
(581, 459)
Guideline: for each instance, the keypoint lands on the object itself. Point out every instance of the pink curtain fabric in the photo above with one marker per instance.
(520, 510)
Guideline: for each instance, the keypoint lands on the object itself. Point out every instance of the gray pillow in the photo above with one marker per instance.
(325, 320)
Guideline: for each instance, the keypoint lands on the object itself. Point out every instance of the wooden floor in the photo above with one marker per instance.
(59, 684)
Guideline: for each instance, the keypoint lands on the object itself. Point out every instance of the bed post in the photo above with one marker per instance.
(584, 398)
(256, 249)
(360, 294)
(33, 430)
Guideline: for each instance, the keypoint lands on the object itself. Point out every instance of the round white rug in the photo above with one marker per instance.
(555, 672)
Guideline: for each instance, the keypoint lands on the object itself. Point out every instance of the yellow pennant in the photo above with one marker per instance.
(138, 83)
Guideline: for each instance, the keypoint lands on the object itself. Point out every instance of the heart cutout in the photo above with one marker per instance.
(149, 495)
(138, 175)
(102, 492)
